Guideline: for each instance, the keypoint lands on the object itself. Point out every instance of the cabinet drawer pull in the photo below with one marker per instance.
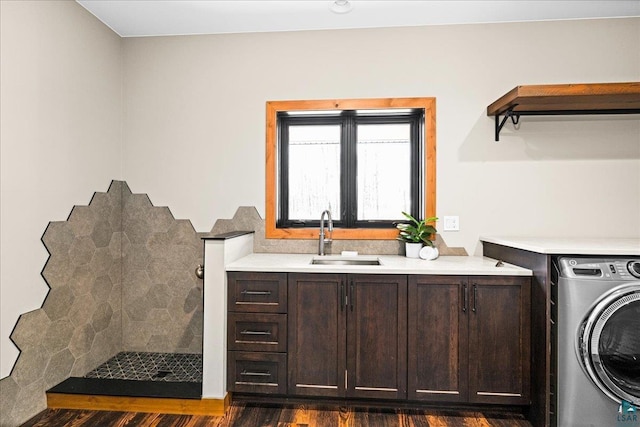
(465, 294)
(255, 333)
(255, 374)
(475, 297)
(255, 292)
(352, 296)
(343, 296)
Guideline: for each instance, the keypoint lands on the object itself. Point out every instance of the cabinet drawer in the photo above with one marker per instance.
(257, 292)
(257, 332)
(257, 372)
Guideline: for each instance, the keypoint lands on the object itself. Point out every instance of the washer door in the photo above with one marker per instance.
(609, 344)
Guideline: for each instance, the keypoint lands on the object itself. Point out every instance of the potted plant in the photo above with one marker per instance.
(415, 233)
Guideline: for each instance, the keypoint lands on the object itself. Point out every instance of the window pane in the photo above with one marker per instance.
(384, 168)
(314, 171)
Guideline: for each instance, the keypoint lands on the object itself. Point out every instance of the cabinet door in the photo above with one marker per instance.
(377, 336)
(437, 338)
(317, 334)
(499, 335)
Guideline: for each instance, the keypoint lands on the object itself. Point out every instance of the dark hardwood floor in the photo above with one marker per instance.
(251, 415)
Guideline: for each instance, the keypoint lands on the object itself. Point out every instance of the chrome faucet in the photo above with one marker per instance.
(322, 240)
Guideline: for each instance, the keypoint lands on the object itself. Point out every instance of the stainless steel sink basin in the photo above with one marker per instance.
(344, 261)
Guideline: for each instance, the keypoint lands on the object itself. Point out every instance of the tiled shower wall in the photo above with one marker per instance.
(161, 296)
(121, 273)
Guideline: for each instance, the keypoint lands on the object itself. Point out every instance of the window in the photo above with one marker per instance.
(364, 160)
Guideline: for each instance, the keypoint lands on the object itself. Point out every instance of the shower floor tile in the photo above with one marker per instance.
(142, 366)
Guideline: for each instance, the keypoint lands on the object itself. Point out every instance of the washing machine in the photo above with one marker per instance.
(598, 341)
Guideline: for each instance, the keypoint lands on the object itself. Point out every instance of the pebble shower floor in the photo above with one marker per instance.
(169, 367)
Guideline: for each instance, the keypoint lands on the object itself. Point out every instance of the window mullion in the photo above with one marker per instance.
(349, 170)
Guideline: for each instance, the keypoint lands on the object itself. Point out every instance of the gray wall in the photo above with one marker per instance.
(194, 118)
(60, 137)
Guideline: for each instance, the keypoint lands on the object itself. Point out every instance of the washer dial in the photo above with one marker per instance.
(634, 268)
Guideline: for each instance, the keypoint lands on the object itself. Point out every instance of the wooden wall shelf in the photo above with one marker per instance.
(565, 99)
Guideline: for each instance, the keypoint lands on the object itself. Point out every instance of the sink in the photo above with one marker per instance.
(326, 260)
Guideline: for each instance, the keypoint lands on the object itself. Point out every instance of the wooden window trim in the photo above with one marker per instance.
(273, 107)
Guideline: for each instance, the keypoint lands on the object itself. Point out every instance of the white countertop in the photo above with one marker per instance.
(389, 264)
(569, 246)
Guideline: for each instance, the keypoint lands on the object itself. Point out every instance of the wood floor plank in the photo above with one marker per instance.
(131, 419)
(436, 421)
(415, 418)
(476, 419)
(262, 415)
(382, 418)
(404, 419)
(252, 416)
(125, 419)
(327, 418)
(450, 419)
(98, 418)
(173, 421)
(294, 416)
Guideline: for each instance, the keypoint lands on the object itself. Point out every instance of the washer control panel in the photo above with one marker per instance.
(600, 268)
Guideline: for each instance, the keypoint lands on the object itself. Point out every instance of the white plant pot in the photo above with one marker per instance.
(412, 250)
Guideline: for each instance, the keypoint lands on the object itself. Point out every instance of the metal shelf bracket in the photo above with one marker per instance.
(515, 119)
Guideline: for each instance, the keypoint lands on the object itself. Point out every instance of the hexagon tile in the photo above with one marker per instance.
(160, 254)
(120, 273)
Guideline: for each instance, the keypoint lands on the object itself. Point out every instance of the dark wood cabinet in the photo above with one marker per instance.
(377, 336)
(438, 329)
(317, 334)
(257, 332)
(499, 344)
(430, 338)
(347, 335)
(543, 323)
(469, 339)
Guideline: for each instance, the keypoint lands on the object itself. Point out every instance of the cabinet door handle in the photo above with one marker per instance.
(475, 297)
(342, 296)
(245, 292)
(255, 333)
(352, 296)
(465, 293)
(255, 374)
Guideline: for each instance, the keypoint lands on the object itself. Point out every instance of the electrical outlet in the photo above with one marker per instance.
(451, 223)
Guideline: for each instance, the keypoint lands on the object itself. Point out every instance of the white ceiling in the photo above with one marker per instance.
(132, 18)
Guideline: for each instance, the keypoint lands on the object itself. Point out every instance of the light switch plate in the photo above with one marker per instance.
(451, 223)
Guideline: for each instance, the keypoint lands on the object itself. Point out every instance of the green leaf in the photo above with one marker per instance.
(416, 231)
